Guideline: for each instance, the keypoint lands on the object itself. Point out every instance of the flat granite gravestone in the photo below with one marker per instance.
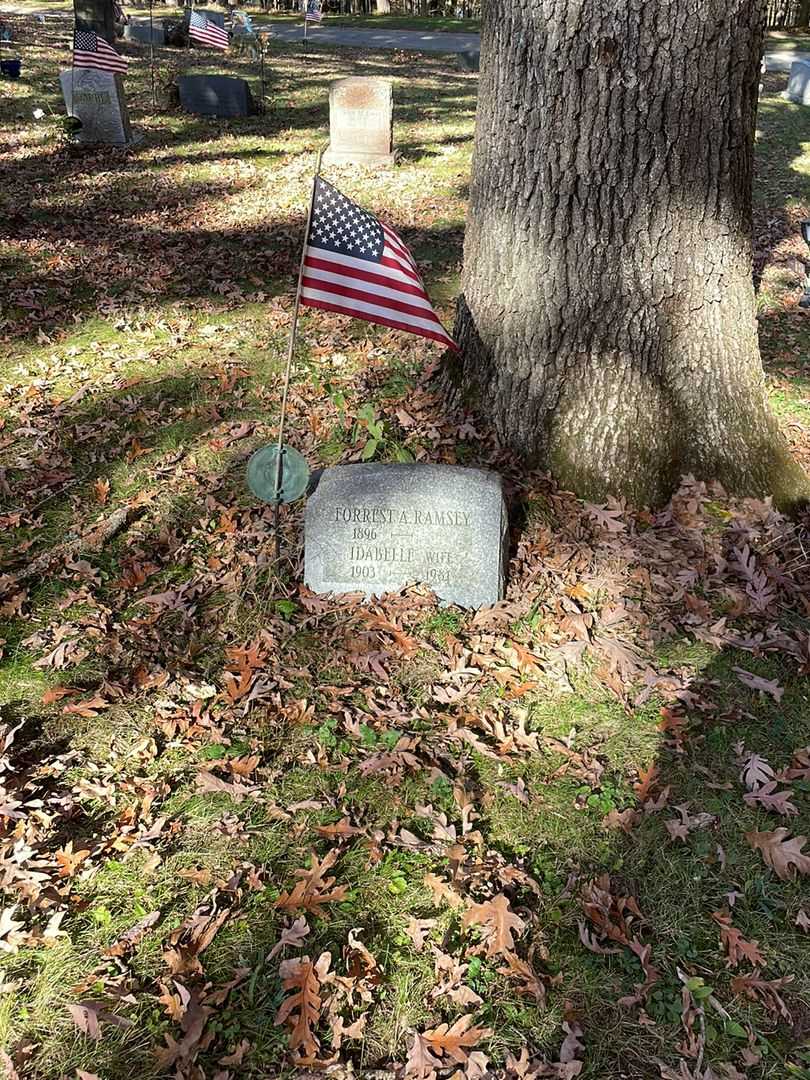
(97, 99)
(215, 95)
(360, 122)
(798, 88)
(376, 528)
(144, 34)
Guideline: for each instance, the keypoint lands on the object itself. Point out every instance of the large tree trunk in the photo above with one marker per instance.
(95, 15)
(607, 317)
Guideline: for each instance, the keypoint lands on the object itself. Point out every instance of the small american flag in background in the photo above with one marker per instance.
(355, 265)
(205, 32)
(92, 51)
(312, 11)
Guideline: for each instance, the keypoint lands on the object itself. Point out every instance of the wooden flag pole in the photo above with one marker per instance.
(290, 354)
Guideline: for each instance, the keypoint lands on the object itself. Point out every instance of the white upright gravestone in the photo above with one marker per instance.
(97, 99)
(360, 122)
(798, 88)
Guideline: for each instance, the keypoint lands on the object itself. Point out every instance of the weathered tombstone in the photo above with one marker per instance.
(360, 122)
(376, 528)
(798, 88)
(470, 61)
(215, 95)
(143, 33)
(97, 99)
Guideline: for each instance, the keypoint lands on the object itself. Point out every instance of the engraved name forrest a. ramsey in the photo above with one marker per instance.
(380, 515)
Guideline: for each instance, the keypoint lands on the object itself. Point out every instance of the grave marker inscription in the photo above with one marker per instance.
(97, 99)
(376, 528)
(360, 122)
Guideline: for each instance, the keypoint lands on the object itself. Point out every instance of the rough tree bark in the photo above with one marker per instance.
(607, 316)
(95, 15)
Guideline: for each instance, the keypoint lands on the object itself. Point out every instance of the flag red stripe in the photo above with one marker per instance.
(397, 244)
(395, 264)
(99, 63)
(363, 275)
(377, 298)
(399, 249)
(395, 324)
(369, 308)
(209, 35)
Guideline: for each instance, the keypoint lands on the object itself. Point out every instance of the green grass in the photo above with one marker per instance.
(174, 335)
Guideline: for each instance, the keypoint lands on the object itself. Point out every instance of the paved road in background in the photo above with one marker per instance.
(781, 61)
(438, 41)
(420, 40)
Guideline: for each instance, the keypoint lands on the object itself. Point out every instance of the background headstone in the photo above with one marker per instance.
(215, 95)
(97, 99)
(470, 61)
(375, 528)
(142, 33)
(360, 122)
(798, 88)
(217, 17)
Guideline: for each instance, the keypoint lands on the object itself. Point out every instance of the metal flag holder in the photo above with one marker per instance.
(152, 55)
(279, 474)
(262, 45)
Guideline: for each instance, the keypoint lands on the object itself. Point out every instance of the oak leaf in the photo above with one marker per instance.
(292, 936)
(756, 772)
(756, 682)
(783, 855)
(418, 929)
(301, 1009)
(421, 1062)
(70, 860)
(498, 921)
(647, 779)
(770, 799)
(339, 830)
(765, 990)
(442, 891)
(9, 929)
(529, 983)
(454, 1040)
(314, 889)
(735, 944)
(626, 820)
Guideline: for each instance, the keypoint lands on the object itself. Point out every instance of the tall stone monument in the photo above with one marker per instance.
(361, 122)
(97, 99)
(375, 528)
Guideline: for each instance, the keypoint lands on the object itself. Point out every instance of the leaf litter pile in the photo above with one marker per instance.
(249, 830)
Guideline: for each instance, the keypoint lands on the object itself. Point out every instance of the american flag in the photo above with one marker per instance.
(357, 266)
(312, 11)
(205, 32)
(92, 51)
